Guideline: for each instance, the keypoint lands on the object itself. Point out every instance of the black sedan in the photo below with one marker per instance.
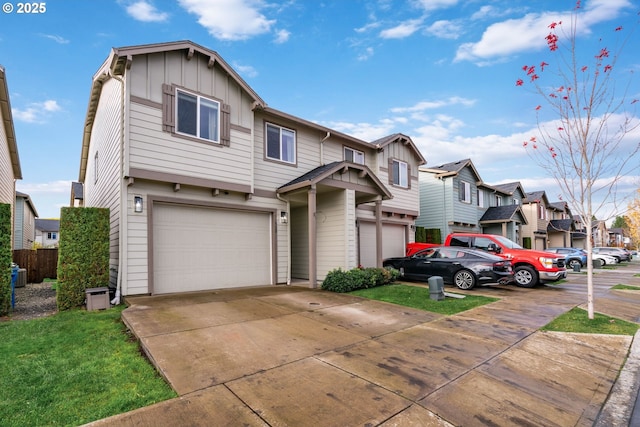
(462, 267)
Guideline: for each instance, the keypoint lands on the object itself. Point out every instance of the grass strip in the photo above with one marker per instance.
(577, 320)
(73, 368)
(419, 297)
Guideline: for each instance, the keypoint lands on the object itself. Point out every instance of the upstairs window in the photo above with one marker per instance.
(190, 115)
(198, 116)
(400, 173)
(480, 198)
(354, 156)
(464, 192)
(498, 201)
(280, 143)
(542, 212)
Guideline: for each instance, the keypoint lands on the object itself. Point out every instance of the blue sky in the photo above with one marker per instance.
(441, 71)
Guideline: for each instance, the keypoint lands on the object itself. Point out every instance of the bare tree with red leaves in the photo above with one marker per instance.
(587, 148)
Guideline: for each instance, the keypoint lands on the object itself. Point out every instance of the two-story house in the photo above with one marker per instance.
(208, 187)
(536, 208)
(24, 223)
(10, 170)
(48, 232)
(453, 198)
(561, 225)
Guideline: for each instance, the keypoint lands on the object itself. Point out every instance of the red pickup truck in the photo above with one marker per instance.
(530, 267)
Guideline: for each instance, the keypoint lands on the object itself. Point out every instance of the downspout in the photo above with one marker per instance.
(288, 237)
(123, 218)
(327, 136)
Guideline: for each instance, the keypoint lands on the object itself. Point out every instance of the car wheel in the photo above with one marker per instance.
(617, 259)
(464, 279)
(575, 262)
(602, 261)
(525, 277)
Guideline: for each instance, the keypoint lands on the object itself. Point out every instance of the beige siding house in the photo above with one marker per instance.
(24, 223)
(209, 188)
(9, 160)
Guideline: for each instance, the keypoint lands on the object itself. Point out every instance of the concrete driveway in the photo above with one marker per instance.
(291, 356)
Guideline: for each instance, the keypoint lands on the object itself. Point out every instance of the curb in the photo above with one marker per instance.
(618, 410)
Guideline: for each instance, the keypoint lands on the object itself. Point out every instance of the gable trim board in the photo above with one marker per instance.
(196, 245)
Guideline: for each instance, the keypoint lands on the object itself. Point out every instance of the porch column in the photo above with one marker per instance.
(504, 229)
(378, 233)
(311, 213)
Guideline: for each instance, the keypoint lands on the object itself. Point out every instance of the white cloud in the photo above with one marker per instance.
(365, 131)
(55, 38)
(35, 188)
(36, 112)
(368, 53)
(144, 11)
(282, 36)
(230, 19)
(528, 33)
(429, 5)
(402, 30)
(430, 105)
(245, 70)
(445, 29)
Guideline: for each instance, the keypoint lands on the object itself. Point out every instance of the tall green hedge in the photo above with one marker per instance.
(5, 259)
(83, 254)
(428, 235)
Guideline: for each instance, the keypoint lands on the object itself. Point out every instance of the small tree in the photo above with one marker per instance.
(633, 219)
(584, 149)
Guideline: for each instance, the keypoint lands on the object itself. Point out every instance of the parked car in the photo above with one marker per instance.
(572, 256)
(530, 267)
(604, 258)
(464, 268)
(620, 253)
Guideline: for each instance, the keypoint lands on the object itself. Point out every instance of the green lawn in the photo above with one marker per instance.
(418, 297)
(575, 320)
(73, 368)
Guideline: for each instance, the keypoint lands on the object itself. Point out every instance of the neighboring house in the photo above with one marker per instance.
(10, 170)
(561, 225)
(579, 237)
(77, 195)
(24, 224)
(599, 233)
(618, 237)
(536, 209)
(453, 198)
(208, 187)
(48, 232)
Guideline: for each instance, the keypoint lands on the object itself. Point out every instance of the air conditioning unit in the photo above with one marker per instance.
(21, 281)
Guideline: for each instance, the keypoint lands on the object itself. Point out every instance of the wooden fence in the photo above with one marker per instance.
(40, 264)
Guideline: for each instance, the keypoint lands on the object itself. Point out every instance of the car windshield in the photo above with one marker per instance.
(507, 243)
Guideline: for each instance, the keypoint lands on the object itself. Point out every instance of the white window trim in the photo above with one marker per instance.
(356, 154)
(466, 196)
(198, 98)
(480, 198)
(295, 144)
(403, 172)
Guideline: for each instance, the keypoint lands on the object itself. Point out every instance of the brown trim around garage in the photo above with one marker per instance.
(152, 199)
(187, 180)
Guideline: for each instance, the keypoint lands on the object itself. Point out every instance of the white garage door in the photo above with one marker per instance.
(393, 242)
(200, 248)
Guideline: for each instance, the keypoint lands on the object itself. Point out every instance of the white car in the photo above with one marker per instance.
(605, 259)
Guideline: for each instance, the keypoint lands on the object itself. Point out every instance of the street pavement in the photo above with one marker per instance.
(292, 356)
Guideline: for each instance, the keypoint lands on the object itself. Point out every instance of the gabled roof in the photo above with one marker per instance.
(535, 197)
(119, 61)
(48, 225)
(560, 225)
(453, 168)
(510, 188)
(7, 118)
(503, 214)
(316, 175)
(401, 138)
(29, 202)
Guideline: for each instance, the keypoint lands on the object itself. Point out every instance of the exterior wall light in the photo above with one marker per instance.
(137, 204)
(283, 217)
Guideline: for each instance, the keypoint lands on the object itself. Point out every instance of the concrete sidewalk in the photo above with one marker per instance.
(291, 356)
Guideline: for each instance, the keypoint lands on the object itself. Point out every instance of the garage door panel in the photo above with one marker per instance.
(200, 248)
(393, 242)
